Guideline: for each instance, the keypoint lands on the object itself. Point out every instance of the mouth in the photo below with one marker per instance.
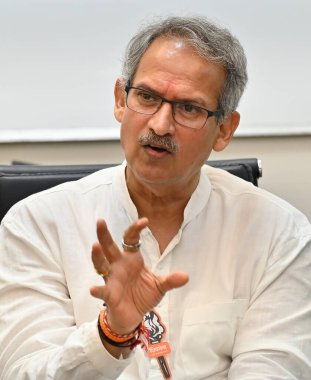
(156, 151)
(161, 145)
(156, 148)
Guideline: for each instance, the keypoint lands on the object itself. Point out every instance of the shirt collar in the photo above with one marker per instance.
(197, 202)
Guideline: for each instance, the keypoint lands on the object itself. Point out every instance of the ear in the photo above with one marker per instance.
(119, 101)
(226, 131)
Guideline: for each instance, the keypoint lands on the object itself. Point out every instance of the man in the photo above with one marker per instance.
(211, 278)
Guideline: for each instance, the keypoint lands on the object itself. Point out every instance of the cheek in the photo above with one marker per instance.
(130, 130)
(209, 138)
(133, 125)
(125, 137)
(198, 147)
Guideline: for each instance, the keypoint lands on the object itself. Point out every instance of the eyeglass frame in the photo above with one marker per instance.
(216, 113)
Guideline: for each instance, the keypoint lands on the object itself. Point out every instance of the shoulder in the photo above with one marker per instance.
(222, 182)
(221, 179)
(243, 199)
(73, 194)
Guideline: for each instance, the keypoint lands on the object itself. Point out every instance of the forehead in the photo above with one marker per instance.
(172, 66)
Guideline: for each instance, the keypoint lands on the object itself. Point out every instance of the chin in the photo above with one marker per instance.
(150, 175)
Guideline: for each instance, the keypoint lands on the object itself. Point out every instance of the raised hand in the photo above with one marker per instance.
(130, 288)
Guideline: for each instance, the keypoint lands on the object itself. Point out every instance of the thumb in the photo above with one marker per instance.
(172, 281)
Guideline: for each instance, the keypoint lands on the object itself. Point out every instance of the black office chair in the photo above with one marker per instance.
(19, 181)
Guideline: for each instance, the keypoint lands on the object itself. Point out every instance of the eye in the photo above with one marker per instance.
(146, 97)
(188, 108)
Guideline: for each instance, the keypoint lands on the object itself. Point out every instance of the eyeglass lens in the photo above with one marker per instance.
(186, 114)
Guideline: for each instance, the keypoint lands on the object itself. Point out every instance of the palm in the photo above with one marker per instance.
(131, 289)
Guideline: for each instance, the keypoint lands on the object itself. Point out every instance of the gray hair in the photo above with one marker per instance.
(210, 41)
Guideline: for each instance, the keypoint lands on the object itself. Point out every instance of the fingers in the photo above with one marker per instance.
(100, 292)
(101, 264)
(105, 252)
(131, 235)
(172, 281)
(108, 246)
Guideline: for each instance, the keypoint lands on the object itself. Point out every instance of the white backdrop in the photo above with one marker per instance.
(59, 60)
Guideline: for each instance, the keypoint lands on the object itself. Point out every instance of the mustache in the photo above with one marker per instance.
(163, 142)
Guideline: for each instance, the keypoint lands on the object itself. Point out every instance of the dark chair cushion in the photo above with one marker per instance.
(19, 181)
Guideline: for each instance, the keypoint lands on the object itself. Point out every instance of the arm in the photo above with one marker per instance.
(131, 289)
(38, 334)
(273, 340)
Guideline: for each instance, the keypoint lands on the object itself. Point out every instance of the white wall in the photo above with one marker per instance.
(59, 60)
(286, 160)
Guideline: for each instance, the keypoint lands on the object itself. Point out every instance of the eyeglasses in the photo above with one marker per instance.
(184, 113)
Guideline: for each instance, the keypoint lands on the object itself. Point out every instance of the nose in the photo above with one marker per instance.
(162, 122)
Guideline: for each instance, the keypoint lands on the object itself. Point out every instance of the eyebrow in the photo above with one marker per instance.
(200, 101)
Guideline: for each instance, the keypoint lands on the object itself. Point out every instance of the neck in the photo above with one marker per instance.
(162, 204)
(150, 197)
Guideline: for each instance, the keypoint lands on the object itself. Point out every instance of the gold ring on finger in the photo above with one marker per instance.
(103, 274)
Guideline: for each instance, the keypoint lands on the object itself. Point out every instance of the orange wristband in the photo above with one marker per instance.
(111, 335)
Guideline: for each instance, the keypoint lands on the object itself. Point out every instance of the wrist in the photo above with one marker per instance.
(114, 324)
(107, 335)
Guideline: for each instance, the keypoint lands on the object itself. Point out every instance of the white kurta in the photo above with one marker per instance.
(245, 313)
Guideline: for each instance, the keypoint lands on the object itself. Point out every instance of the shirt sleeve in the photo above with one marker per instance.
(39, 338)
(273, 340)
